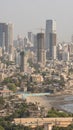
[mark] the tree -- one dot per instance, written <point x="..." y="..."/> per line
<point x="12" y="87"/>
<point x="55" y="113"/>
<point x="38" y="128"/>
<point x="8" y="80"/>
<point x="1" y="128"/>
<point x="59" y="128"/>
<point x="2" y="101"/>
<point x="70" y="127"/>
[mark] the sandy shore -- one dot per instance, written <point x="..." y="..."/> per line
<point x="50" y="101"/>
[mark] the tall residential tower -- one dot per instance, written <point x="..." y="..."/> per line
<point x="51" y="38"/>
<point x="41" y="56"/>
<point x="6" y="35"/>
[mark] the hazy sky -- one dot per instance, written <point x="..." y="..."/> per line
<point x="29" y="15"/>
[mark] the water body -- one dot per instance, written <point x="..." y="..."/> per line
<point x="24" y="95"/>
<point x="68" y="106"/>
<point x="70" y="98"/>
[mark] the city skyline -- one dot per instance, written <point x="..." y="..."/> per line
<point x="30" y="15"/>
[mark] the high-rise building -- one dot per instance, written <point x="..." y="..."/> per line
<point x="35" y="42"/>
<point x="10" y="34"/>
<point x="41" y="56"/>
<point x="51" y="38"/>
<point x="52" y="46"/>
<point x="23" y="61"/>
<point x="30" y="37"/>
<point x="17" y="58"/>
<point x="25" y="42"/>
<point x="20" y="42"/>
<point x="6" y="35"/>
<point x="9" y="46"/>
<point x="72" y="39"/>
<point x="66" y="52"/>
<point x="3" y="35"/>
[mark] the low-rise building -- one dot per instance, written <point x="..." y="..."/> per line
<point x="37" y="78"/>
<point x="5" y="93"/>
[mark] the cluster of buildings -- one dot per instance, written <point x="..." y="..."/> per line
<point x="45" y="47"/>
<point x="41" y="46"/>
<point x="34" y="48"/>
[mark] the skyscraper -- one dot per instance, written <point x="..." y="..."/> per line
<point x="10" y="34"/>
<point x="3" y="35"/>
<point x="30" y="37"/>
<point x="23" y="61"/>
<point x="6" y="35"/>
<point x="41" y="56"/>
<point x="51" y="38"/>
<point x="25" y="42"/>
<point x="72" y="39"/>
<point x="66" y="52"/>
<point x="52" y="46"/>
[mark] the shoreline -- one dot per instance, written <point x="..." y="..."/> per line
<point x="54" y="100"/>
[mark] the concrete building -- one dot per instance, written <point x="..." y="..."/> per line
<point x="30" y="37"/>
<point x="65" y="56"/>
<point x="6" y="93"/>
<point x="6" y="35"/>
<point x="25" y="42"/>
<point x="48" y="123"/>
<point x="71" y="48"/>
<point x="10" y="52"/>
<point x="51" y="38"/>
<point x="0" y="51"/>
<point x="20" y="42"/>
<point x="17" y="58"/>
<point x="72" y="39"/>
<point x="2" y="76"/>
<point x="52" y="46"/>
<point x="23" y="61"/>
<point x="59" y="51"/>
<point x="41" y="55"/>
<point x="37" y="78"/>
<point x="3" y="35"/>
<point x="10" y="35"/>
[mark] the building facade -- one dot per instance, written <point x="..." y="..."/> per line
<point x="41" y="55"/>
<point x="23" y="61"/>
<point x="6" y="35"/>
<point x="51" y="38"/>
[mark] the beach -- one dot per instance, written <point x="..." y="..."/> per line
<point x="56" y="101"/>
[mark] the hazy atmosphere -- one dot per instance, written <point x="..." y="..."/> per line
<point x="29" y="15"/>
<point x="36" y="64"/>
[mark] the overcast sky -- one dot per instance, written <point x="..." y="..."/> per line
<point x="29" y="15"/>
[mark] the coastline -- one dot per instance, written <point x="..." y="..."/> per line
<point x="54" y="100"/>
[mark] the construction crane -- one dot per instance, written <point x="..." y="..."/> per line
<point x="41" y="29"/>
